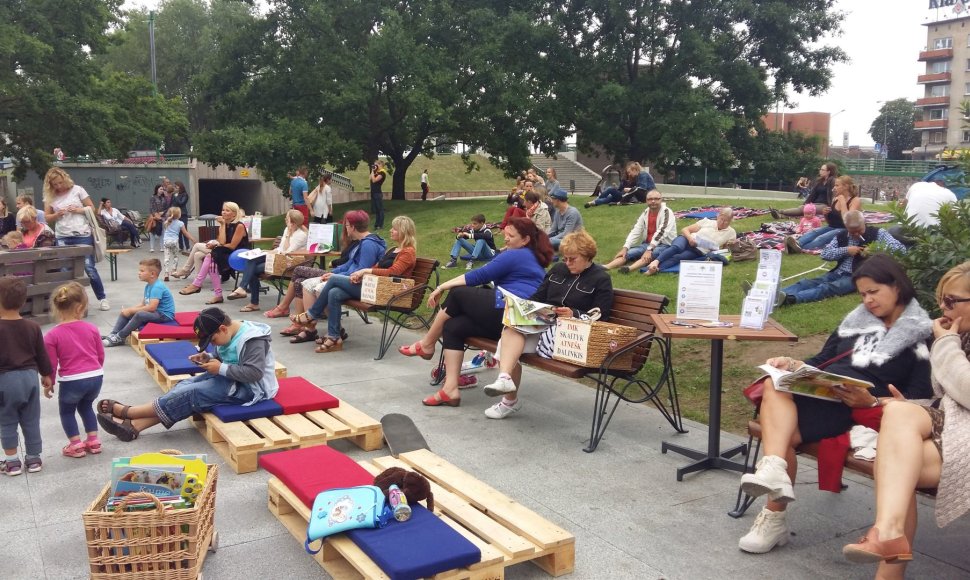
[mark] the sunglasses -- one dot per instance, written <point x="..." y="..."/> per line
<point x="950" y="302"/>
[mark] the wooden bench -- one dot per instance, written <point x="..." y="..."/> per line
<point x="111" y="254"/>
<point x="630" y="308"/>
<point x="44" y="270"/>
<point x="853" y="463"/>
<point x="398" y="317"/>
<point x="505" y="531"/>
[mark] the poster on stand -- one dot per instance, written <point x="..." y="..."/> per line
<point x="699" y="290"/>
<point x="320" y="238"/>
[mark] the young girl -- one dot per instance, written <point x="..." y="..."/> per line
<point x="77" y="356"/>
<point x="809" y="220"/>
<point x="170" y="240"/>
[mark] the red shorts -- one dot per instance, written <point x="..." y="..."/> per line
<point x="305" y="210"/>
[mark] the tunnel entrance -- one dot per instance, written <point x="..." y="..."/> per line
<point x="214" y="192"/>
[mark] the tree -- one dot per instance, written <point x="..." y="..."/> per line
<point x="893" y="127"/>
<point x="51" y="94"/>
<point x="785" y="156"/>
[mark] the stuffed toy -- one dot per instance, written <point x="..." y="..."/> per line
<point x="414" y="485"/>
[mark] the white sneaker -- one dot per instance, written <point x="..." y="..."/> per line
<point x="770" y="529"/>
<point x="112" y="340"/>
<point x="771" y="478"/>
<point x="501" y="386"/>
<point x="104" y="304"/>
<point x="469" y="265"/>
<point x="500" y="410"/>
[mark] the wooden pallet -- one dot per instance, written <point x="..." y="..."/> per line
<point x="139" y="344"/>
<point x="166" y="381"/>
<point x="241" y="442"/>
<point x="505" y="531"/>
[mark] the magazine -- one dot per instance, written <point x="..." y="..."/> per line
<point x="527" y="316"/>
<point x="809" y="381"/>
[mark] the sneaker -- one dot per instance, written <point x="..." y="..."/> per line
<point x="11" y="467"/>
<point x="34" y="464"/>
<point x="112" y="340"/>
<point x="784" y="299"/>
<point x="770" y="529"/>
<point x="104" y="304"/>
<point x="771" y="477"/>
<point x="470" y="265"/>
<point x="451" y="264"/>
<point x="501" y="410"/>
<point x="467" y="381"/>
<point x="501" y="386"/>
<point x="791" y="245"/>
<point x="624" y="269"/>
<point x="774" y="213"/>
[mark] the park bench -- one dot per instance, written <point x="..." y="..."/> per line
<point x="44" y="270"/>
<point x="630" y="308"/>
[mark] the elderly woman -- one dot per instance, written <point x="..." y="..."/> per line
<point x="883" y="341"/>
<point x="64" y="204"/>
<point x="471" y="310"/>
<point x="294" y="238"/>
<point x="911" y="452"/>
<point x="232" y="235"/>
<point x="636" y="183"/>
<point x="117" y="220"/>
<point x="36" y="234"/>
<point x="25" y="201"/>
<point x="573" y="286"/>
<point x="846" y="199"/>
<point x="696" y="240"/>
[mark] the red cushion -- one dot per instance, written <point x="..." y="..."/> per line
<point x="186" y="318"/>
<point x="161" y="331"/>
<point x="298" y="395"/>
<point x="307" y="472"/>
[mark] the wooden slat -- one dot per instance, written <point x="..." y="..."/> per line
<point x="302" y="428"/>
<point x="270" y="431"/>
<point x="331" y="424"/>
<point x="237" y="434"/>
<point x="350" y="415"/>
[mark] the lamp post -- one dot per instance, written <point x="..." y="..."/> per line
<point x="830" y="127"/>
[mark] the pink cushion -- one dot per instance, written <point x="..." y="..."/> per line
<point x="298" y="395"/>
<point x="307" y="472"/>
<point x="161" y="331"/>
<point x="186" y="318"/>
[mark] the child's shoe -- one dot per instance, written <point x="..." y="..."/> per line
<point x="34" y="464"/>
<point x="74" y="449"/>
<point x="11" y="467"/>
<point x="112" y="340"/>
<point x="93" y="445"/>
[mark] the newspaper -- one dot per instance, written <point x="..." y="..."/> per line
<point x="525" y="315"/>
<point x="809" y="381"/>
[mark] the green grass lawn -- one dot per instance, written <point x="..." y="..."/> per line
<point x="610" y="225"/>
<point x="445" y="173"/>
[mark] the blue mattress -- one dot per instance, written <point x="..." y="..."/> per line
<point x="174" y="356"/>
<point x="230" y="413"/>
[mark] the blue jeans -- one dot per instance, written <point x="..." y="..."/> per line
<point x="335" y="292"/>
<point x="479" y="250"/>
<point x="20" y="405"/>
<point x="818" y="238"/>
<point x="820" y="288"/>
<point x="198" y="395"/>
<point x="125" y="326"/>
<point x="609" y="195"/>
<point x="89" y="268"/>
<point x="78" y="396"/>
<point x="132" y="231"/>
<point x="250" y="278"/>
<point x="679" y="249"/>
<point x="637" y="252"/>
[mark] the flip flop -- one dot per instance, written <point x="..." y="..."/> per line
<point x="415" y="350"/>
<point x="249" y="308"/>
<point x="234" y="296"/>
<point x="189" y="290"/>
<point x="124" y="431"/>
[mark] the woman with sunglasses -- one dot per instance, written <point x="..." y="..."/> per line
<point x="911" y="442"/>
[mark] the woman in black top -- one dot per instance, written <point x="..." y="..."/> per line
<point x="180" y="199"/>
<point x="377" y="177"/>
<point x="820" y="193"/>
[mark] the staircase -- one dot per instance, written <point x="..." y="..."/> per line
<point x="566" y="170"/>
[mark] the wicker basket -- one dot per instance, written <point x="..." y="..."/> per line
<point x="278" y="264"/>
<point x="379" y="290"/>
<point x="151" y="545"/>
<point x="587" y="344"/>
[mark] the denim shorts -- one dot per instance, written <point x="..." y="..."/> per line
<point x="198" y="395"/>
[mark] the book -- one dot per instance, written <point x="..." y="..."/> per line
<point x="809" y="381"/>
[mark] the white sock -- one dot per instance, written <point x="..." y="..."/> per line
<point x="509" y="402"/>
<point x="505" y="376"/>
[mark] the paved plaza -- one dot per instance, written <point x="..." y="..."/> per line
<point x="630" y="516"/>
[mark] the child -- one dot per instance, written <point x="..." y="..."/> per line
<point x="77" y="356"/>
<point x="14" y="241"/>
<point x="242" y="373"/>
<point x="809" y="220"/>
<point x="158" y="304"/>
<point x="22" y="357"/>
<point x="170" y="239"/>
<point x="482" y="249"/>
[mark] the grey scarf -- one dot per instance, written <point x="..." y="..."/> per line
<point x="877" y="344"/>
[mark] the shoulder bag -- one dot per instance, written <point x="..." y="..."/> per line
<point x="341" y="509"/>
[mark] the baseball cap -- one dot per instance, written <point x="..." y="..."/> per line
<point x="207" y="324"/>
<point x="559" y="193"/>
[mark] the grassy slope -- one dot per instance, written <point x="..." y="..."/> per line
<point x="445" y="173"/>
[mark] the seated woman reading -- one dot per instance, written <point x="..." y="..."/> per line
<point x="695" y="241"/>
<point x="294" y="238"/>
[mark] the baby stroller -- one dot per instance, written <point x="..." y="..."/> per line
<point x="135" y="217"/>
<point x="609" y="177"/>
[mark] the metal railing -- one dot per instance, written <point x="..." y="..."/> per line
<point x="888" y="166"/>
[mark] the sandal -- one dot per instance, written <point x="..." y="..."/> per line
<point x="343" y="336"/>
<point x="248" y="307"/>
<point x="93" y="445"/>
<point x="276" y="312"/>
<point x="302" y="318"/>
<point x="74" y="449"/>
<point x="440" y="398"/>
<point x="124" y="430"/>
<point x="330" y="345"/>
<point x="107" y="406"/>
<point x="291" y="330"/>
<point x="216" y="300"/>
<point x="234" y="295"/>
<point x="304" y="336"/>
<point x="415" y="350"/>
<point x="190" y="289"/>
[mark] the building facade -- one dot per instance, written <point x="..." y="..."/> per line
<point x="946" y="83"/>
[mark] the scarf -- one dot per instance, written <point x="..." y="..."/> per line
<point x="877" y="344"/>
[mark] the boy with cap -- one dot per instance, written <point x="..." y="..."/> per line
<point x="565" y="218"/>
<point x="242" y="372"/>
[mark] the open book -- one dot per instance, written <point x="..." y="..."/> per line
<point x="812" y="382"/>
<point x="526" y="315"/>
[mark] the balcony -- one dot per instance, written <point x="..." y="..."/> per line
<point x="932" y="101"/>
<point x="932" y="124"/>
<point x="933" y="78"/>
<point x="938" y="54"/>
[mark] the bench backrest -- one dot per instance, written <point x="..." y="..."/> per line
<point x="425" y="272"/>
<point x="44" y="270"/>
<point x="632" y="308"/>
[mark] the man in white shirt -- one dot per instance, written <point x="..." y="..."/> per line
<point x="655" y="229"/>
<point x="923" y="201"/>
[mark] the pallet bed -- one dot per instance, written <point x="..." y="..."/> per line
<point x="166" y="381"/>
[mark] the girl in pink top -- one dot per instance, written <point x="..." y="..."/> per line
<point x="809" y="220"/>
<point x="77" y="357"/>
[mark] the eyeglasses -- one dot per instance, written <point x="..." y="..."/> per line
<point x="654" y="198"/>
<point x="571" y="259"/>
<point x="950" y="302"/>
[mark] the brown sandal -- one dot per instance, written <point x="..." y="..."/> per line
<point x="303" y="318"/>
<point x="330" y="345"/>
<point x="190" y="289"/>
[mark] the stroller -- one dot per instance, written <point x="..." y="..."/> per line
<point x="135" y="217"/>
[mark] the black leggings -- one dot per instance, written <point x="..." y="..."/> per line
<point x="473" y="313"/>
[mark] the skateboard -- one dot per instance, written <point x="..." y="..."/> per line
<point x="401" y="434"/>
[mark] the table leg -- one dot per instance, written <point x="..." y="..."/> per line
<point x="113" y="266"/>
<point x="714" y="458"/>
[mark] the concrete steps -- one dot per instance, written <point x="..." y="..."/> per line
<point x="567" y="170"/>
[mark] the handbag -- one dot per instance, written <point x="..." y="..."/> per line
<point x="100" y="240"/>
<point x="756" y="390"/>
<point x="348" y="508"/>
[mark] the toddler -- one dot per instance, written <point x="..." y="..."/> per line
<point x="809" y="220"/>
<point x="77" y="357"/>
<point x="22" y="357"/>
<point x="158" y="305"/>
<point x="170" y="240"/>
<point x="13" y="241"/>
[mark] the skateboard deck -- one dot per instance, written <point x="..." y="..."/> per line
<point x="401" y="434"/>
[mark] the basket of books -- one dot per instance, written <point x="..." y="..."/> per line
<point x="154" y="520"/>
<point x="379" y="290"/>
<point x="587" y="343"/>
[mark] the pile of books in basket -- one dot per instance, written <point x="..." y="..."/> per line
<point x="174" y="480"/>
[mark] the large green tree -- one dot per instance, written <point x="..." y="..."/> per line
<point x="52" y="95"/>
<point x="893" y="127"/>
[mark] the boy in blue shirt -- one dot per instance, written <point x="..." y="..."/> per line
<point x="158" y="305"/>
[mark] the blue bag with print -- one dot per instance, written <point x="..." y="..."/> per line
<point x="341" y="509"/>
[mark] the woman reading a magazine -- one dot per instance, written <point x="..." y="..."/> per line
<point x="911" y="451"/>
<point x="883" y="341"/>
<point x="572" y="287"/>
<point x="471" y="310"/>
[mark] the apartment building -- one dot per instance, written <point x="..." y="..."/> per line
<point x="947" y="84"/>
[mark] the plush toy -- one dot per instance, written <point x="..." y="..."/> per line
<point x="414" y="485"/>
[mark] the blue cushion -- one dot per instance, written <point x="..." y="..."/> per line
<point x="230" y="413"/>
<point x="174" y="356"/>
<point x="676" y="267"/>
<point x="699" y="215"/>
<point x="418" y="548"/>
